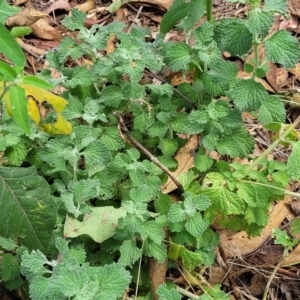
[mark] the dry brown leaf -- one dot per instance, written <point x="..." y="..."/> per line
<point x="293" y="258"/>
<point x="86" y="6"/>
<point x="19" y="2"/>
<point x="294" y="7"/>
<point x="31" y="48"/>
<point x="25" y="17"/>
<point x="296" y="71"/>
<point x="58" y="4"/>
<point x="281" y="76"/>
<point x="43" y="30"/>
<point x="272" y="76"/>
<point x="110" y="45"/>
<point x="185" y="161"/>
<point x="240" y="244"/>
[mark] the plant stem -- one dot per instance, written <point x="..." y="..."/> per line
<point x="127" y="137"/>
<point x="271" y="278"/>
<point x="186" y="293"/>
<point x="273" y="146"/>
<point x="286" y="192"/>
<point x="209" y="8"/>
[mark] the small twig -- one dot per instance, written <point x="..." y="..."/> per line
<point x="174" y="89"/>
<point x="137" y="16"/>
<point x="131" y="140"/>
<point x="271" y="278"/>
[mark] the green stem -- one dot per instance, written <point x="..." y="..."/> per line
<point x="5" y="90"/>
<point x="286" y="192"/>
<point x="209" y="8"/>
<point x="272" y="146"/>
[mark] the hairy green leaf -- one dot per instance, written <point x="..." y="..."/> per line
<point x="186" y="12"/>
<point x="275" y="6"/>
<point x="232" y="35"/>
<point x="248" y="95"/>
<point x="260" y="22"/>
<point x="196" y="225"/>
<point x="178" y="57"/>
<point x="283" y="48"/>
<point x="130" y="253"/>
<point x="223" y="200"/>
<point x="167" y="294"/>
<point x="75" y="21"/>
<point x="271" y="110"/>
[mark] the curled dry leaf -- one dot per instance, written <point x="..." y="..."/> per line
<point x="43" y="30"/>
<point x="25" y="17"/>
<point x="31" y="48"/>
<point x="185" y="161"/>
<point x="59" y="4"/>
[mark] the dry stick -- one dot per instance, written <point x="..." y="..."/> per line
<point x="271" y="278"/>
<point x="137" y="16"/>
<point x="141" y="148"/>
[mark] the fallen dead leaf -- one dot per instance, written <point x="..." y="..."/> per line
<point x="281" y="76"/>
<point x="31" y="48"/>
<point x="19" y="2"/>
<point x="240" y="244"/>
<point x="185" y="161"/>
<point x="272" y="76"/>
<point x="86" y="6"/>
<point x="296" y="71"/>
<point x="45" y="31"/>
<point x="110" y="45"/>
<point x="293" y="258"/>
<point x="25" y="17"/>
<point x="58" y="4"/>
<point x="294" y="8"/>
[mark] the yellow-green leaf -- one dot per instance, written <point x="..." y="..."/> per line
<point x="33" y="111"/>
<point x="41" y="95"/>
<point x="18" y="104"/>
<point x="61" y="126"/>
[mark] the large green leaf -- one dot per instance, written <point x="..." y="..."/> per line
<point x="10" y="48"/>
<point x="18" y="104"/>
<point x="7" y="10"/>
<point x="27" y="210"/>
<point x="187" y="12"/>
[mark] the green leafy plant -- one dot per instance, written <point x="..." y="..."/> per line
<point x="90" y="199"/>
